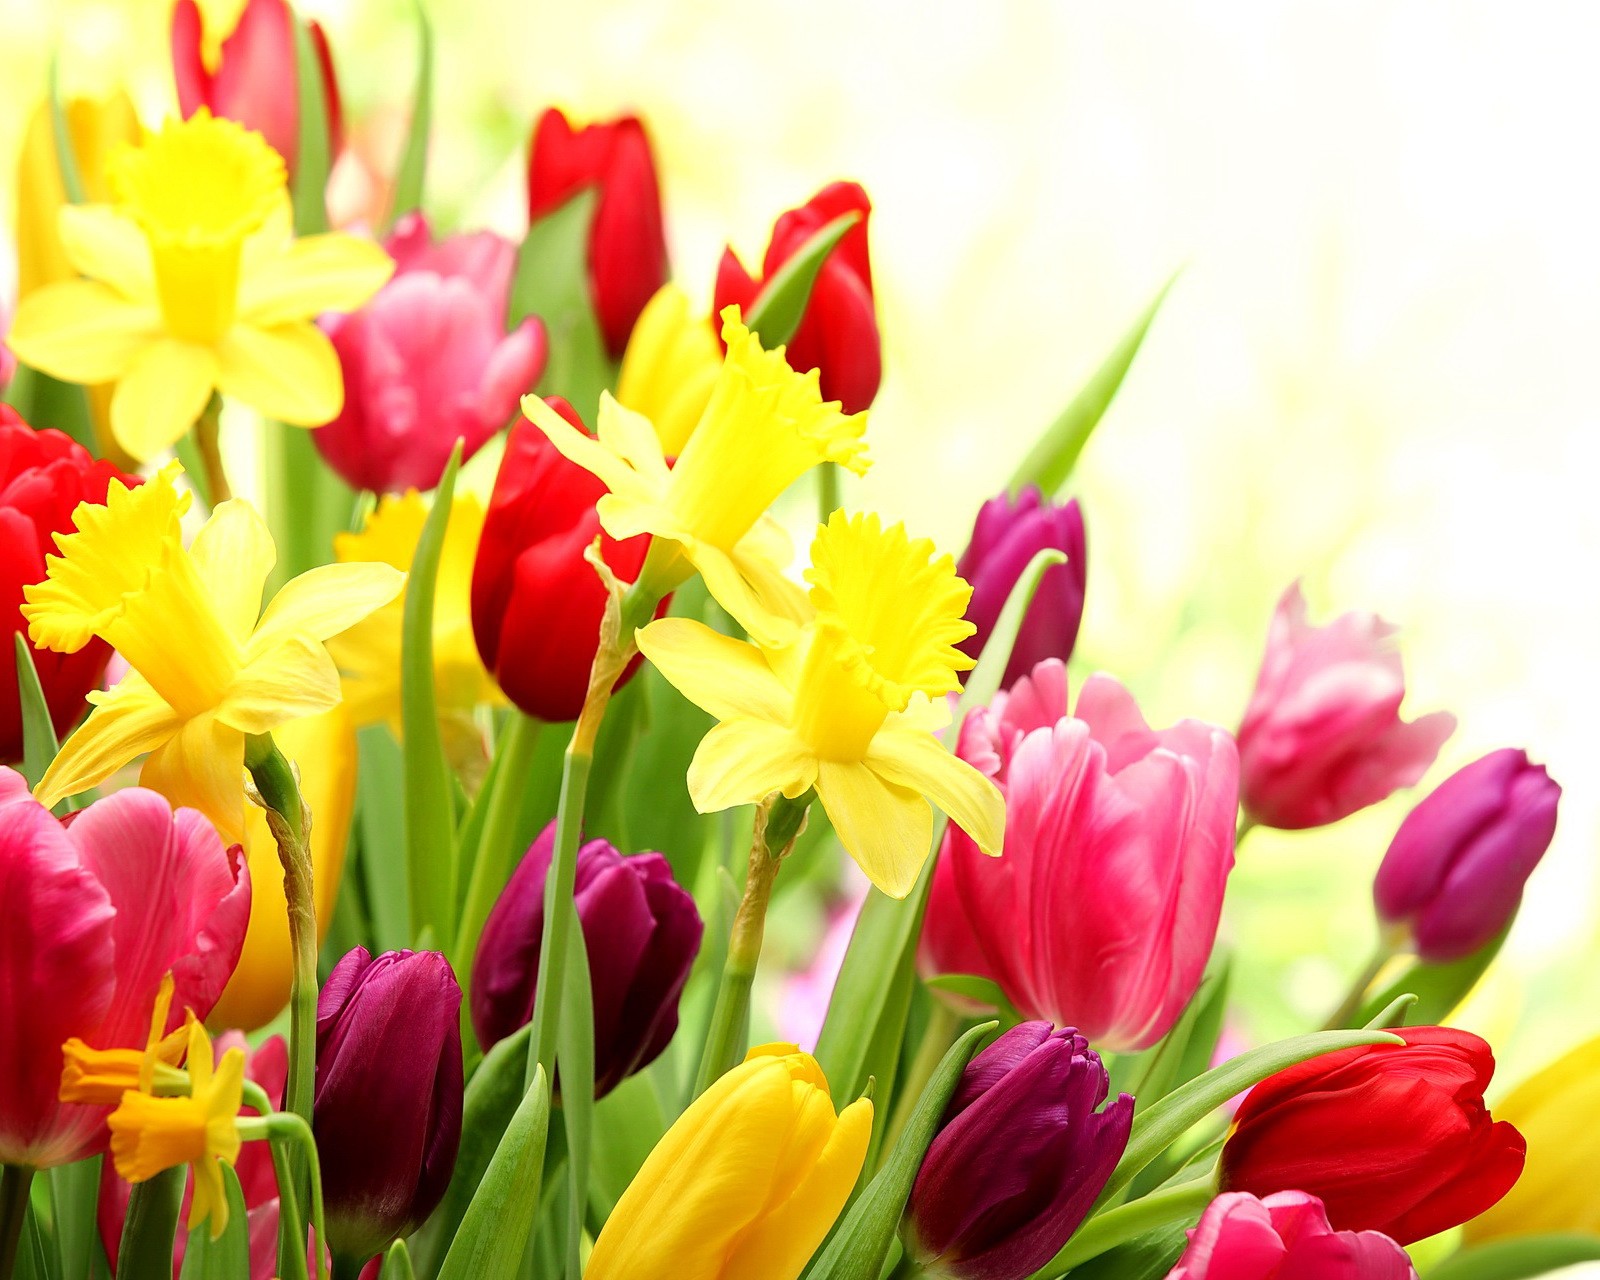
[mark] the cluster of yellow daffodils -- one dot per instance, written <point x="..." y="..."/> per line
<point x="195" y="284"/>
<point x="209" y="667"/>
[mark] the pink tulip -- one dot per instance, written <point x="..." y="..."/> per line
<point x="1284" y="1237"/>
<point x="1322" y="736"/>
<point x="1102" y="909"/>
<point x="428" y="361"/>
<point x="93" y="911"/>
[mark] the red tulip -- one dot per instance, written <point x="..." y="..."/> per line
<point x="1391" y="1138"/>
<point x="536" y="602"/>
<point x="838" y="333"/>
<point x="44" y="475"/>
<point x="627" y="241"/>
<point x="253" y="79"/>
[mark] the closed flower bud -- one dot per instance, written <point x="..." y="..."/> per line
<point x="627" y="239"/>
<point x="838" y="334"/>
<point x="1454" y="872"/>
<point x="1391" y="1138"/>
<point x="536" y="602"/>
<point x="1008" y="533"/>
<point x="388" y="1095"/>
<point x="1023" y="1153"/>
<point x="1322" y="736"/>
<point x="745" y="1184"/>
<point x="1284" y="1236"/>
<point x="641" y="932"/>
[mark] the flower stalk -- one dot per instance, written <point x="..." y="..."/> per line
<point x="15" y="1179"/>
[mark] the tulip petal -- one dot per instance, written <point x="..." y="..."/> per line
<point x="917" y="760"/>
<point x="81" y="331"/>
<point x="126" y="722"/>
<point x="292" y="679"/>
<point x="333" y="272"/>
<point x="234" y="553"/>
<point x="324" y="601"/>
<point x="161" y="395"/>
<point x="289" y="372"/>
<point x="743" y="761"/>
<point x="885" y="827"/>
<point x="724" y="676"/>
<point x="109" y="247"/>
<point x="202" y="766"/>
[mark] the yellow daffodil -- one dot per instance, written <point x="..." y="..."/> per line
<point x="369" y="653"/>
<point x="845" y="705"/>
<point x="196" y="285"/>
<point x="669" y="367"/>
<point x="745" y="1184"/>
<point x="150" y="1134"/>
<point x="323" y="748"/>
<point x="101" y="1076"/>
<point x="764" y="427"/>
<point x="208" y="666"/>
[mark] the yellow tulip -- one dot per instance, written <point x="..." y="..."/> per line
<point x="845" y="705"/>
<point x="670" y="367"/>
<point x="196" y="285"/>
<point x="745" y="1184"/>
<point x="323" y="748"/>
<point x="1558" y="1112"/>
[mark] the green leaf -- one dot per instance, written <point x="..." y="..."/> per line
<point x="1518" y="1257"/>
<point x="984" y="682"/>
<point x="1211" y="1006"/>
<point x="429" y="785"/>
<point x="33" y="1259"/>
<point x="397" y="1263"/>
<point x="75" y="1195"/>
<point x="1050" y="462"/>
<point x="1149" y="1257"/>
<point x="1392" y="1014"/>
<point x="1439" y="988"/>
<point x="1158" y="1127"/>
<point x="39" y="745"/>
<point x="500" y="1218"/>
<point x="228" y="1256"/>
<point x="575" y="1053"/>
<point x="779" y="307"/>
<point x="148" y="1232"/>
<point x="969" y="986"/>
<point x="1173" y="1207"/>
<point x="380" y="824"/>
<point x="627" y="1125"/>
<point x="408" y="181"/>
<point x="862" y="1243"/>
<point x="312" y="161"/>
<point x="1151" y="1075"/>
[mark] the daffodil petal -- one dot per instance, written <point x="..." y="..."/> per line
<point x="324" y="601"/>
<point x="210" y="1200"/>
<point x="726" y="677"/>
<point x="626" y="484"/>
<point x="126" y="722"/>
<point x="106" y="246"/>
<point x="293" y="679"/>
<point x="158" y="399"/>
<point x="633" y="438"/>
<point x="234" y="553"/>
<point x="885" y="827"/>
<point x="744" y="761"/>
<point x="202" y="766"/>
<point x="289" y="372"/>
<point x="314" y="274"/>
<point x="917" y="760"/>
<point x="81" y="331"/>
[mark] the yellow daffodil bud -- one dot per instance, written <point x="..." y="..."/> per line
<point x="746" y="1184"/>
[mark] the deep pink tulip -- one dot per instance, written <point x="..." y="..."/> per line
<point x="1102" y="909"/>
<point x="93" y="911"/>
<point x="428" y="361"/>
<point x="1322" y="736"/>
<point x="1286" y="1236"/>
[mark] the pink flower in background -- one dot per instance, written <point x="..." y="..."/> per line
<point x="93" y="912"/>
<point x="1285" y="1236"/>
<point x="1102" y="909"/>
<point x="1322" y="736"/>
<point x="803" y="999"/>
<point x="428" y="361"/>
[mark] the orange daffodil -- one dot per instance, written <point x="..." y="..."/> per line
<point x="844" y="702"/>
<point x="209" y="667"/>
<point x="195" y="284"/>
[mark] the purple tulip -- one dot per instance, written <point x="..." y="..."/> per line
<point x="641" y="932"/>
<point x="1455" y="868"/>
<point x="1023" y="1154"/>
<point x="388" y="1095"/>
<point x="1007" y="534"/>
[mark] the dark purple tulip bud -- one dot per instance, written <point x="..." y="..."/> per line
<point x="1022" y="1156"/>
<point x="641" y="932"/>
<point x="388" y="1096"/>
<point x="1454" y="872"/>
<point x="1008" y="533"/>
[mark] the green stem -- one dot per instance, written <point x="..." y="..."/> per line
<point x="1117" y="1226"/>
<point x="291" y="1261"/>
<point x="827" y="490"/>
<point x="207" y="439"/>
<point x="944" y="1023"/>
<point x="1354" y="998"/>
<point x="347" y="1269"/>
<point x="289" y="1132"/>
<point x="15" y="1179"/>
<point x="148" y="1232"/>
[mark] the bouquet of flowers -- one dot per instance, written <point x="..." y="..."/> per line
<point x="333" y="934"/>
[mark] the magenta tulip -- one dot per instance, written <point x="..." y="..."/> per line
<point x="1285" y="1236"/>
<point x="93" y="912"/>
<point x="1322" y="736"/>
<point x="1102" y="909"/>
<point x="428" y="361"/>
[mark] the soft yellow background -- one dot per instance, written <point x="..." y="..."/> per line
<point x="1377" y="370"/>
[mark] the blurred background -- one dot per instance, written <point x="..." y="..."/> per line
<point x="1376" y="371"/>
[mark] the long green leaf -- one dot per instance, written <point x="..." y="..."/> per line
<point x="148" y="1232"/>
<point x="312" y="161"/>
<point x="627" y="1125"/>
<point x="1439" y="988"/>
<point x="39" y="745"/>
<point x="1050" y="462"/>
<point x="1150" y="1257"/>
<point x="862" y="1243"/>
<point x="408" y="181"/>
<point x="228" y="1256"/>
<point x="500" y="1218"/>
<point x="33" y="1258"/>
<point x="430" y="792"/>
<point x="1517" y="1258"/>
<point x="781" y="305"/>
<point x="397" y="1263"/>
<point x="380" y="820"/>
<point x="984" y="682"/>
<point x="74" y="1196"/>
<point x="575" y="1053"/>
